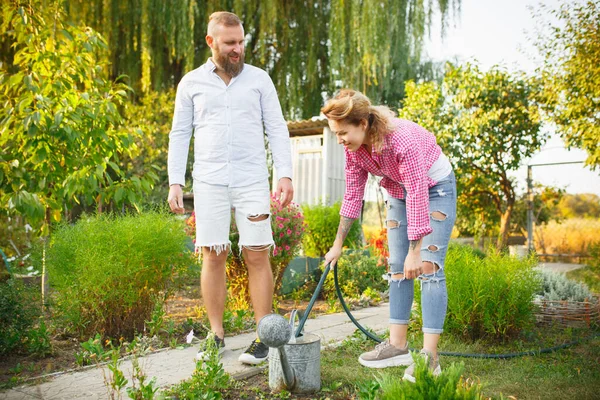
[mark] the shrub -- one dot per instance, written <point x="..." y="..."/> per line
<point x="19" y="309"/>
<point x="109" y="272"/>
<point x="62" y="140"/>
<point x="447" y="386"/>
<point x="556" y="286"/>
<point x="489" y="296"/>
<point x="357" y="272"/>
<point x="321" y="227"/>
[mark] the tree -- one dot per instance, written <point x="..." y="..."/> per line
<point x="584" y="205"/>
<point x="546" y="200"/>
<point x="487" y="122"/>
<point x="571" y="50"/>
<point x="309" y="47"/>
<point x="61" y="134"/>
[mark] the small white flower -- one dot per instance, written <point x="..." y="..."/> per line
<point x="26" y="257"/>
<point x="30" y="268"/>
<point x="11" y="259"/>
<point x="28" y="228"/>
<point x="189" y="337"/>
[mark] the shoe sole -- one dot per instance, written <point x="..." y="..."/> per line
<point x="250" y="360"/>
<point x="404" y="359"/>
<point x="203" y="358"/>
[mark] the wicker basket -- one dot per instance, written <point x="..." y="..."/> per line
<point x="568" y="313"/>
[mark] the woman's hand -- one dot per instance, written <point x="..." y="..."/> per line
<point x="413" y="265"/>
<point x="333" y="255"/>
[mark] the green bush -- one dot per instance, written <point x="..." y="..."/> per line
<point x="63" y="139"/>
<point x="447" y="386"/>
<point x="108" y="273"/>
<point x="489" y="296"/>
<point x="19" y="309"/>
<point x="321" y="227"/>
<point x="556" y="286"/>
<point x="357" y="272"/>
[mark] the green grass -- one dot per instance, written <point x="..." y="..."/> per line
<point x="588" y="275"/>
<point x="571" y="373"/>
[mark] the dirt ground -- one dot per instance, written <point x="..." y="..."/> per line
<point x="257" y="387"/>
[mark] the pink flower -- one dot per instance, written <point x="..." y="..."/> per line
<point x="289" y="232"/>
<point x="280" y="226"/>
<point x="275" y="252"/>
<point x="278" y="218"/>
<point x="281" y="235"/>
<point x="287" y="248"/>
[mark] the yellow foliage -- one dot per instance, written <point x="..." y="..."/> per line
<point x="571" y="236"/>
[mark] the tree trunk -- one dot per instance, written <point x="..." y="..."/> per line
<point x="504" y="226"/>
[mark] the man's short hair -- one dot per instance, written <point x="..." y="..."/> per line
<point x="222" y="18"/>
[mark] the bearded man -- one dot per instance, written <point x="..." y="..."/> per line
<point x="228" y="106"/>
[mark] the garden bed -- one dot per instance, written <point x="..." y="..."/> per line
<point x="185" y="304"/>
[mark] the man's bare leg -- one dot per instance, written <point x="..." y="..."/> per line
<point x="260" y="279"/>
<point x="214" y="290"/>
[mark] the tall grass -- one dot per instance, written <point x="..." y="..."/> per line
<point x="109" y="273"/>
<point x="488" y="296"/>
<point x="571" y="236"/>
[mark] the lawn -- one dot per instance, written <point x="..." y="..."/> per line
<point x="570" y="373"/>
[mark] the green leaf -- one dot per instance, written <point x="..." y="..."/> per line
<point x="67" y="34"/>
<point x="119" y="194"/>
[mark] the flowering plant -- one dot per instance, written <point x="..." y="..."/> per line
<point x="377" y="241"/>
<point x="288" y="227"/>
<point x="190" y="226"/>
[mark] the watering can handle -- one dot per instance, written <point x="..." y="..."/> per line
<point x="293" y="321"/>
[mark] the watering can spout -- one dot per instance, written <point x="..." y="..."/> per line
<point x="289" y="377"/>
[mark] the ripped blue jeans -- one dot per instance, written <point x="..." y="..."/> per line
<point x="434" y="297"/>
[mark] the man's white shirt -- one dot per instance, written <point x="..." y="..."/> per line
<point x="227" y="122"/>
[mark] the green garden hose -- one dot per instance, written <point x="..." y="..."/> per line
<point x="444" y="353"/>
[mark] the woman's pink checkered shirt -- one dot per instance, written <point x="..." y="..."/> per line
<point x="408" y="154"/>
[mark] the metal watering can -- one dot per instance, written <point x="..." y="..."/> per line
<point x="294" y="362"/>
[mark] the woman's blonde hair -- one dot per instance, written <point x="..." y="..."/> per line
<point x="352" y="107"/>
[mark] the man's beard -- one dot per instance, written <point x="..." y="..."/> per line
<point x="231" y="69"/>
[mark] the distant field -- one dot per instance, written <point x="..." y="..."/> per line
<point x="571" y="236"/>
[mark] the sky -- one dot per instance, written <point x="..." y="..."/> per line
<point x="495" y="32"/>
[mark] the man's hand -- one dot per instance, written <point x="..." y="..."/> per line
<point x="176" y="199"/>
<point x="285" y="191"/>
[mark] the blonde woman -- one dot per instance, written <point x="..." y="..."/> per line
<point x="421" y="210"/>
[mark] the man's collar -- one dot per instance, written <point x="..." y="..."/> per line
<point x="211" y="65"/>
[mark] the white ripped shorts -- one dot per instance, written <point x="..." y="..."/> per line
<point x="213" y="205"/>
